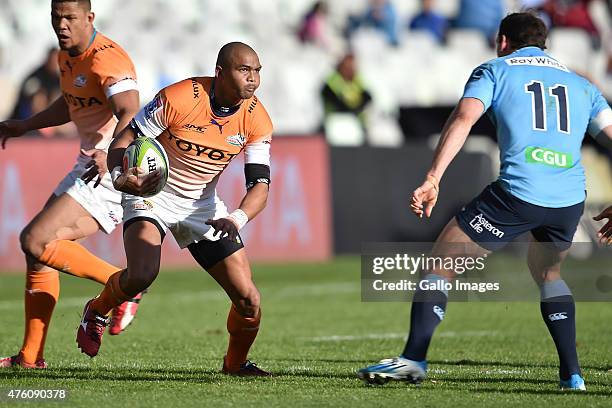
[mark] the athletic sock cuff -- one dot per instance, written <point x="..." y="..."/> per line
<point x="552" y="289"/>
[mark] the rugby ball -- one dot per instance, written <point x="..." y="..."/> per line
<point x="150" y="156"/>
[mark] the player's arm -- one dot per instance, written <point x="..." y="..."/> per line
<point x="56" y="114"/>
<point x="257" y="174"/>
<point x="121" y="141"/>
<point x="454" y="134"/>
<point x="604" y="136"/>
<point x="150" y="121"/>
<point x="124" y="106"/>
<point x="605" y="233"/>
<point x="600" y="121"/>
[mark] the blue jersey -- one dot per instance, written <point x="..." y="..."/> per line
<point x="541" y="111"/>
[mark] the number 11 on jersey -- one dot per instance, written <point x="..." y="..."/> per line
<point x="538" y="107"/>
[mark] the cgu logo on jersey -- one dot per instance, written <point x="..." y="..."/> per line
<point x="479" y="223"/>
<point x="80" y="81"/>
<point x="540" y="155"/>
<point x="236" y="140"/>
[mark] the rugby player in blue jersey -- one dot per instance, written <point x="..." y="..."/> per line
<point x="541" y="111"/>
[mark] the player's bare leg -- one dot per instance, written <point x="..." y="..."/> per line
<point x="142" y="242"/>
<point x="41" y="293"/>
<point x="49" y="240"/>
<point x="234" y="275"/>
<point x="58" y="217"/>
<point x="558" y="309"/>
<point x="428" y="308"/>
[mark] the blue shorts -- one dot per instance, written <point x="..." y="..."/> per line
<point x="496" y="217"/>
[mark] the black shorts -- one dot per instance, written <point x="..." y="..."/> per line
<point x="206" y="253"/>
<point x="209" y="253"/>
<point x="496" y="217"/>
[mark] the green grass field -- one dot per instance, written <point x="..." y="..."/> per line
<point x="315" y="334"/>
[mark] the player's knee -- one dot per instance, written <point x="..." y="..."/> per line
<point x="546" y="275"/>
<point x="248" y="305"/>
<point x="31" y="244"/>
<point x="139" y="279"/>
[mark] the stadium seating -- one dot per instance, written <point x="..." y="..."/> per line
<point x="172" y="40"/>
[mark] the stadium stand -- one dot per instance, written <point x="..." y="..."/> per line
<point x="172" y="40"/>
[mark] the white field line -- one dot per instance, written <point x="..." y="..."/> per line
<point x="383" y="336"/>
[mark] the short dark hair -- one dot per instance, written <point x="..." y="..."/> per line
<point x="84" y="3"/>
<point x="523" y="30"/>
<point x="223" y="58"/>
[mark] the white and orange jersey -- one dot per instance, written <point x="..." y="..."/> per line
<point x="88" y="81"/>
<point x="200" y="144"/>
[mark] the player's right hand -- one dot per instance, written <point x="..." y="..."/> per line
<point x="424" y="199"/>
<point x="133" y="181"/>
<point x="605" y="233"/>
<point x="11" y="128"/>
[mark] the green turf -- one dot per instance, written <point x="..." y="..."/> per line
<point x="484" y="354"/>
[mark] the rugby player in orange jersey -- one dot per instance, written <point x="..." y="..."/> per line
<point x="202" y="123"/>
<point x="100" y="96"/>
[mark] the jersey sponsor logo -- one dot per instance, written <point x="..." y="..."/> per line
<point x="439" y="312"/>
<point x="540" y="155"/>
<point x="143" y="205"/>
<point x="253" y="104"/>
<point x="196" y="89"/>
<point x="80" y="81"/>
<point x="537" y="62"/>
<point x="479" y="223"/>
<point x="194" y="128"/>
<point x="557" y="316"/>
<point x="212" y="153"/>
<point x="102" y="48"/>
<point x="81" y="102"/>
<point x="152" y="107"/>
<point x="219" y="125"/>
<point x="236" y="140"/>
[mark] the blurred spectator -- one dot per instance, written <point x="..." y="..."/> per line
<point x="573" y="14"/>
<point x="536" y="7"/>
<point x="344" y="91"/>
<point x="381" y="15"/>
<point x="314" y="26"/>
<point x="39" y="89"/>
<point x="481" y="15"/>
<point x="609" y="70"/>
<point x="428" y="20"/>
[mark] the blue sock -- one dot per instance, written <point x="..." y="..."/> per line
<point x="559" y="314"/>
<point x="428" y="308"/>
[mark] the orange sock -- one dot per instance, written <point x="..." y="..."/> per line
<point x="71" y="257"/>
<point x="243" y="331"/>
<point x="111" y="295"/>
<point x="42" y="291"/>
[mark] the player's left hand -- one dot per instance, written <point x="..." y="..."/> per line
<point x="224" y="226"/>
<point x="424" y="198"/>
<point x="605" y="233"/>
<point x="95" y="167"/>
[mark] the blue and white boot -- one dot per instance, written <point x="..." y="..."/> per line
<point x="575" y="383"/>
<point x="398" y="368"/>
